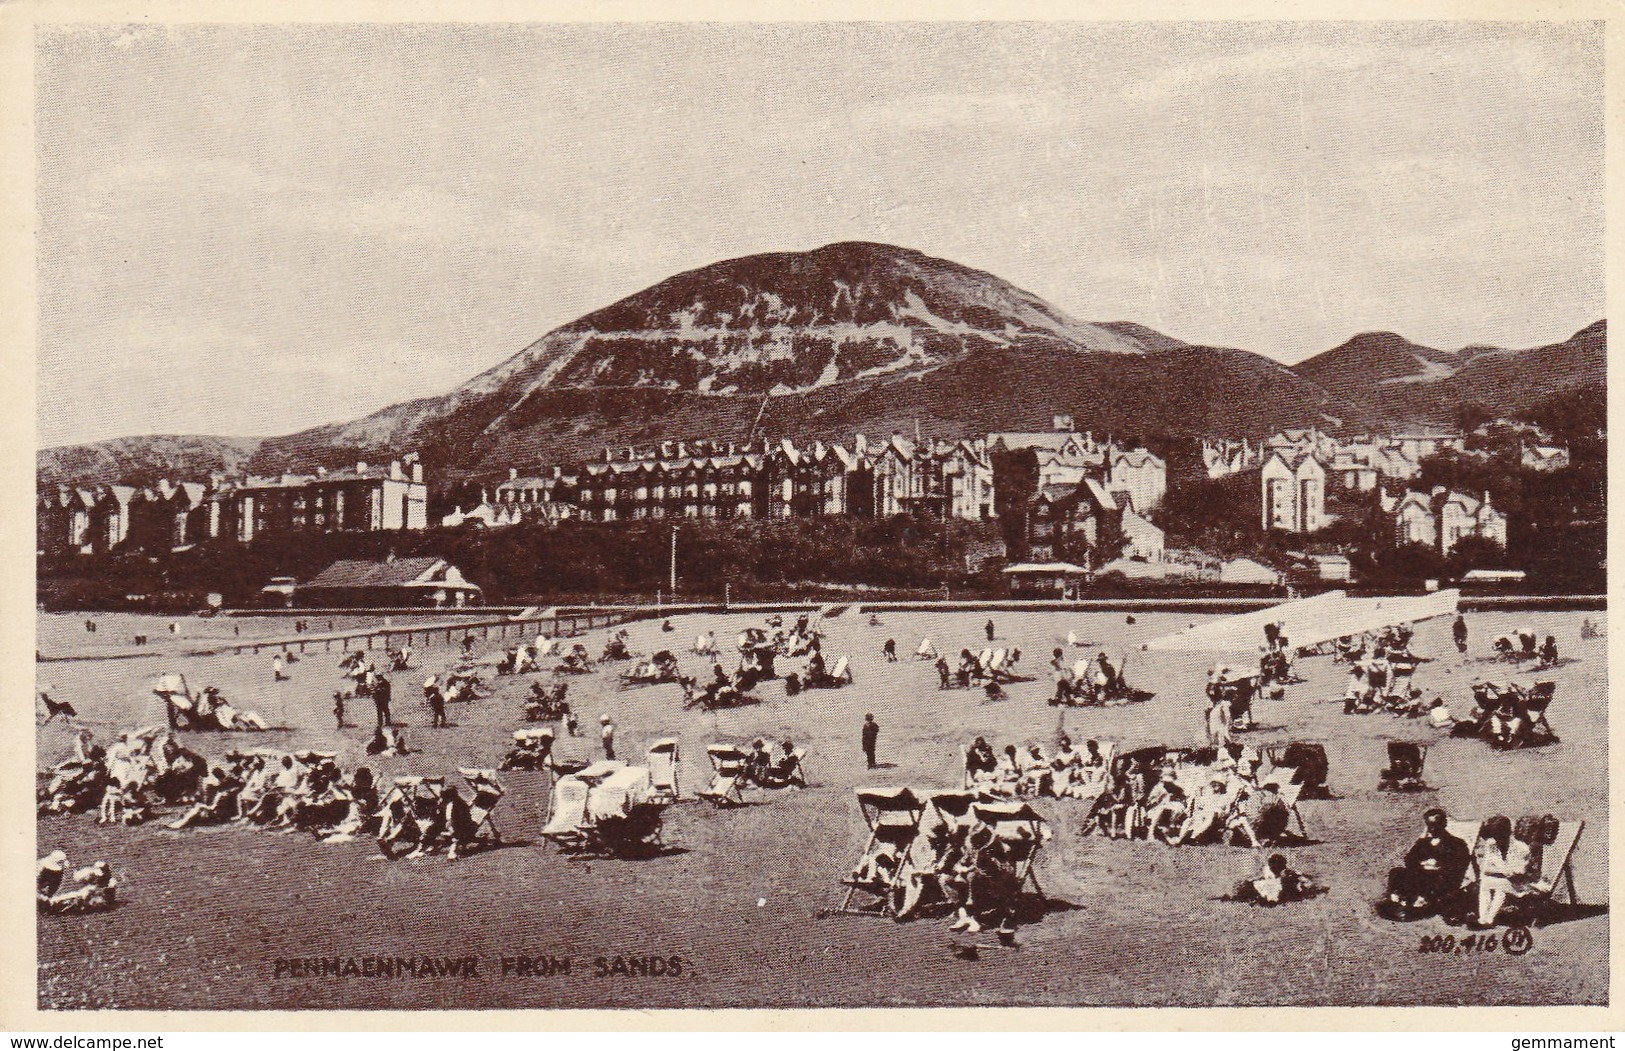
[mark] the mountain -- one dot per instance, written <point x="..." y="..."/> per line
<point x="1403" y="382"/>
<point x="860" y="337"/>
<point x="143" y="460"/>
<point x="851" y="337"/>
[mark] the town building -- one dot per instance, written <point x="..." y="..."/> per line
<point x="394" y="582"/>
<point x="1136" y="478"/>
<point x="1223" y="457"/>
<point x="1058" y="580"/>
<point x="361" y="499"/>
<point x="1294" y="492"/>
<point x="172" y="516"/>
<point x="1142" y="538"/>
<point x="62" y="517"/>
<point x="1076" y="523"/>
<point x="1441" y="519"/>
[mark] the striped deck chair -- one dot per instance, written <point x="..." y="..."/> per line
<point x="893" y="816"/>
<point x="1556" y="868"/>
<point x="728" y="781"/>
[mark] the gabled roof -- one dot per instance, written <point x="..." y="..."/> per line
<point x="1102" y="497"/>
<point x="1138" y="458"/>
<point x="358" y="573"/>
<point x="1135" y="524"/>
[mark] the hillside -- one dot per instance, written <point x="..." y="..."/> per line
<point x="860" y="337"/>
<point x="852" y="337"/>
<point x="1402" y="381"/>
<point x="142" y="460"/>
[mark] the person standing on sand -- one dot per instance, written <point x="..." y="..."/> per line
<point x="989" y="630"/>
<point x="871" y="737"/>
<point x="338" y="708"/>
<point x="380" y="700"/>
<point x="1458" y="631"/>
<point x="607" y="732"/>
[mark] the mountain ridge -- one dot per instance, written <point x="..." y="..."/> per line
<point x="865" y="337"/>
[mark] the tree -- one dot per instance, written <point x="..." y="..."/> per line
<point x="1015" y="486"/>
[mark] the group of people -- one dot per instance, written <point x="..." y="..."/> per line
<point x="962" y="868"/>
<point x="93" y="888"/>
<point x="765" y="770"/>
<point x="1442" y="875"/>
<point x="123" y="781"/>
<point x="1069" y="773"/>
<point x="1508" y="715"/>
<point x="1093" y="681"/>
<point x="1229" y="705"/>
<point x="1232" y="800"/>
<point x="210" y="711"/>
<point x="303" y="791"/>
<point x="1523" y="645"/>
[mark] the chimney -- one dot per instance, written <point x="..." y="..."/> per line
<point x="609" y="455"/>
<point x="558" y="472"/>
<point x="860" y="444"/>
<point x="1062" y="421"/>
<point x="361" y="467"/>
<point x="417" y="471"/>
<point x="666" y="449"/>
<point x="513" y="472"/>
<point x="733" y="448"/>
<point x="682" y="450"/>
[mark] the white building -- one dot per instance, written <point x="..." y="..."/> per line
<point x="1294" y="493"/>
<point x="1442" y="519"/>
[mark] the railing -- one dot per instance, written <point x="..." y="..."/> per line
<point x="555" y="623"/>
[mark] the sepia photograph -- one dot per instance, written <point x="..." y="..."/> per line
<point x="902" y="514"/>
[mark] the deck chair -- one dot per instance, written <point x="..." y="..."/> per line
<point x="1404" y="770"/>
<point x="620" y="815"/>
<point x="488" y="792"/>
<point x="1022" y="828"/>
<point x="842" y="671"/>
<point x="893" y="816"/>
<point x="728" y="764"/>
<point x="1308" y="761"/>
<point x="568" y="808"/>
<point x="1290" y="794"/>
<point x="662" y="759"/>
<point x="952" y="808"/>
<point x="788" y="772"/>
<point x="1556" y="868"/>
<point x="1536" y="701"/>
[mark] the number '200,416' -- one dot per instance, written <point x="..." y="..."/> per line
<point x="1449" y="943"/>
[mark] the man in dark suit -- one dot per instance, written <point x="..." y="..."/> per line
<point x="380" y="700"/>
<point x="871" y="737"/>
<point x="1433" y="869"/>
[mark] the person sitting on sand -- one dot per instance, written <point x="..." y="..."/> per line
<point x="1164" y="808"/>
<point x="1208" y="815"/>
<point x="1277" y="884"/>
<point x="980" y="762"/>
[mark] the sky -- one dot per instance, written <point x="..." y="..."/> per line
<point x="249" y="230"/>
